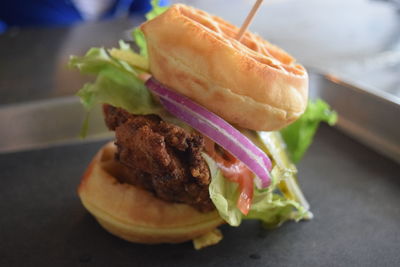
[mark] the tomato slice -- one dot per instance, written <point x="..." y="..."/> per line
<point x="246" y="185"/>
<point x="237" y="172"/>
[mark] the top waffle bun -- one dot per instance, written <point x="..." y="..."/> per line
<point x="252" y="83"/>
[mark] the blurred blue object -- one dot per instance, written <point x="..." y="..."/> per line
<point x="24" y="13"/>
<point x="2" y="27"/>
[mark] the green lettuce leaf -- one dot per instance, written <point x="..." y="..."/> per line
<point x="224" y="194"/>
<point x="298" y="136"/>
<point x="284" y="170"/>
<point x="208" y="239"/>
<point x="138" y="35"/>
<point x="126" y="54"/>
<point x="156" y="10"/>
<point x="140" y="41"/>
<point x="281" y="201"/>
<point x="117" y="83"/>
<point x="273" y="209"/>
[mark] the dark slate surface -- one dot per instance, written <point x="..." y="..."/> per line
<point x="354" y="193"/>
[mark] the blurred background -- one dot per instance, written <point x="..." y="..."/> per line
<point x="356" y="41"/>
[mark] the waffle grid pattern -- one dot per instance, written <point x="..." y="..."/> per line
<point x="251" y="44"/>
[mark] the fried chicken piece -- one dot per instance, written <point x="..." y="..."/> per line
<point x="164" y="158"/>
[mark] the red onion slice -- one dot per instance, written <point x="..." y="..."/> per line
<point x="217" y="129"/>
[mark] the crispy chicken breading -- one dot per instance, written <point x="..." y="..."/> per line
<point x="164" y="158"/>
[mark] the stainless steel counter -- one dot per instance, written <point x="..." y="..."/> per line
<point x="33" y="62"/>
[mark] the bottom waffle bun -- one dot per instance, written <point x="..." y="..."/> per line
<point x="135" y="214"/>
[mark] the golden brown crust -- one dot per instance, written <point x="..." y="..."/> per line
<point x="251" y="83"/>
<point x="135" y="214"/>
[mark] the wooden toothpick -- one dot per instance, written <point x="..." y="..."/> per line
<point x="248" y="20"/>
